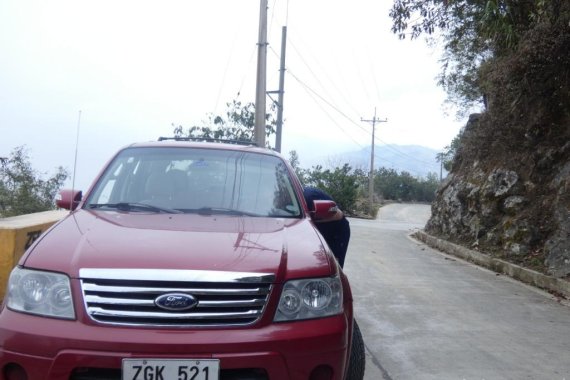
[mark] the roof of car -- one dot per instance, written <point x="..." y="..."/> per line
<point x="213" y="144"/>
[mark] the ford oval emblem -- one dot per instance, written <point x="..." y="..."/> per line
<point x="176" y="301"/>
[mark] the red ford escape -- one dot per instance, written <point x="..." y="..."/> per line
<point x="184" y="261"/>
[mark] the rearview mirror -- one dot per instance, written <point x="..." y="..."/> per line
<point x="68" y="199"/>
<point x="324" y="209"/>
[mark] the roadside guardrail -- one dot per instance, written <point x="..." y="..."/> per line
<point x="17" y="234"/>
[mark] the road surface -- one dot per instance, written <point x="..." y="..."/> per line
<point x="426" y="315"/>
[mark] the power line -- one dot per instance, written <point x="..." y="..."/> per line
<point x="253" y="50"/>
<point x="312" y="93"/>
<point x="333" y="83"/>
<point x="315" y="96"/>
<point x="388" y="146"/>
<point x="222" y="85"/>
<point x="395" y="165"/>
<point x="339" y="111"/>
<point x="326" y="101"/>
<point x="402" y="154"/>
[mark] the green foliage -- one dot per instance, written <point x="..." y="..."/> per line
<point x="473" y="32"/>
<point x="22" y="190"/>
<point x="349" y="187"/>
<point x="340" y="183"/>
<point x="528" y="103"/>
<point x="402" y="186"/>
<point x="362" y="182"/>
<point x="238" y="123"/>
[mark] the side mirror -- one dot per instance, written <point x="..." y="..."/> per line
<point x="68" y="199"/>
<point x="324" y="209"/>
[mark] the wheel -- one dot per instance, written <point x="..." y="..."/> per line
<point x="357" y="355"/>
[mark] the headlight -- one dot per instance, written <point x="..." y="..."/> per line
<point x="308" y="299"/>
<point x="42" y="293"/>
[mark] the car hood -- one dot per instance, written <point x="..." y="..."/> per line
<point x="288" y="248"/>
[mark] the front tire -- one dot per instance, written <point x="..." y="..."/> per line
<point x="357" y="355"/>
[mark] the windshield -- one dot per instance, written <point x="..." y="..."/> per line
<point x="193" y="180"/>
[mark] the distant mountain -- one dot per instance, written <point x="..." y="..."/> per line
<point x="415" y="159"/>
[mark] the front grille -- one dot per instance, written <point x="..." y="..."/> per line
<point x="127" y="296"/>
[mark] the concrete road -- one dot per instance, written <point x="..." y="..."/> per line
<point x="426" y="315"/>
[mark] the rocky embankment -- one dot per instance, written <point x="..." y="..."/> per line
<point x="516" y="209"/>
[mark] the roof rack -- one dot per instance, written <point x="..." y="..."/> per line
<point x="208" y="139"/>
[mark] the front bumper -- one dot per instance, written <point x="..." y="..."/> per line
<point x="54" y="349"/>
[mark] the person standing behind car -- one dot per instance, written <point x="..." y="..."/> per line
<point x="335" y="230"/>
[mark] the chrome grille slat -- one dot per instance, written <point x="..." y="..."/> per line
<point x="133" y="302"/>
<point x="197" y="291"/>
<point x="135" y="314"/>
<point x="231" y="299"/>
<point x="117" y="301"/>
<point x="244" y="303"/>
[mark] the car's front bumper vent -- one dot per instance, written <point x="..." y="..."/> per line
<point x="129" y="296"/>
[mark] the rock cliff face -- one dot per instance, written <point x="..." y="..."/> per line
<point x="513" y="203"/>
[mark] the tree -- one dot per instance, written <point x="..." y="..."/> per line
<point x="295" y="164"/>
<point x="340" y="183"/>
<point x="238" y="123"/>
<point x="402" y="186"/>
<point x="446" y="157"/>
<point x="474" y="32"/>
<point x="425" y="191"/>
<point x="362" y="178"/>
<point x="387" y="183"/>
<point x="22" y="190"/>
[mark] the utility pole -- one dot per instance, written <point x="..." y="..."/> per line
<point x="259" y="131"/>
<point x="280" y="92"/>
<point x="374" y="120"/>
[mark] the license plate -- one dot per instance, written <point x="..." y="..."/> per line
<point x="171" y="369"/>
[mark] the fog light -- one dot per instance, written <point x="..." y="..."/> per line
<point x="14" y="372"/>
<point x="322" y="372"/>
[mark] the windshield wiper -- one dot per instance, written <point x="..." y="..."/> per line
<point x="221" y="210"/>
<point x="134" y="206"/>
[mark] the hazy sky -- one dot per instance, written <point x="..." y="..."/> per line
<point x="134" y="67"/>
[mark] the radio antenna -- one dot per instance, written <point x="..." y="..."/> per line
<point x="76" y="149"/>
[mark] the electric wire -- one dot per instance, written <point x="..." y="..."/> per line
<point x="313" y="94"/>
<point x="341" y="93"/>
<point x="386" y="145"/>
<point x="362" y="82"/>
<point x="222" y="85"/>
<point x="246" y="71"/>
<point x="399" y="152"/>
<point x="395" y="166"/>
<point x="336" y="108"/>
<point x="373" y="72"/>
<point x="272" y="17"/>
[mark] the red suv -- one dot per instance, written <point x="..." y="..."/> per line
<point x="184" y="260"/>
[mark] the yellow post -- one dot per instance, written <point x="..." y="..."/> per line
<point x="17" y="234"/>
